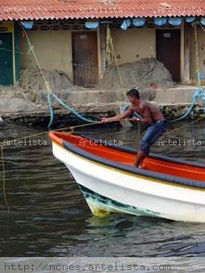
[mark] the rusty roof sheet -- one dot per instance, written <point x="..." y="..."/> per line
<point x="79" y="9"/>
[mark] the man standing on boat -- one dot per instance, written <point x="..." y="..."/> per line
<point x="150" y="115"/>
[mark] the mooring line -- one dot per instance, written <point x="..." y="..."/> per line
<point x="71" y="128"/>
<point x="71" y="131"/>
<point x="4" y="178"/>
<point x="184" y="126"/>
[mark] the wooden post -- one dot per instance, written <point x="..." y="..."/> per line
<point x="186" y="53"/>
<point x="13" y="55"/>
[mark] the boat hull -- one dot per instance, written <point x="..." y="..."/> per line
<point x="108" y="189"/>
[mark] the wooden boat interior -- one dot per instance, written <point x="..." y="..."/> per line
<point x="183" y="170"/>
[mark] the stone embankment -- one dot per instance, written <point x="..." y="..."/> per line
<point x="31" y="108"/>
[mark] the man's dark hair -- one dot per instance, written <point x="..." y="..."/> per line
<point x="133" y="93"/>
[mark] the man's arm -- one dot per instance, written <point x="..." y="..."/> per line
<point x="124" y="115"/>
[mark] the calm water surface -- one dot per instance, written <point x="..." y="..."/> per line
<point x="49" y="217"/>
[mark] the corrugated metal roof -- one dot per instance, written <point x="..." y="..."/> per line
<point x="79" y="9"/>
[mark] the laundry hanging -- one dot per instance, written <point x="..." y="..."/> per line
<point x="138" y="22"/>
<point x="160" y="21"/>
<point x="92" y="25"/>
<point x="175" y="21"/>
<point x="202" y="21"/>
<point x="27" y="24"/>
<point x="125" y="24"/>
<point x="190" y="19"/>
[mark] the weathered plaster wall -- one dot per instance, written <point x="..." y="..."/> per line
<point x="102" y="51"/>
<point x="134" y="44"/>
<point x="201" y="50"/>
<point x="52" y="48"/>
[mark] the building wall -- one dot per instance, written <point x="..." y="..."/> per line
<point x="201" y="48"/>
<point x="201" y="52"/>
<point x="134" y="44"/>
<point x="52" y="48"/>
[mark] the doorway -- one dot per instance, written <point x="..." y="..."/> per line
<point x="6" y="59"/>
<point x="168" y="51"/>
<point x="85" y="58"/>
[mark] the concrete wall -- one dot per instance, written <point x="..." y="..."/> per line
<point x="52" y="48"/>
<point x="134" y="44"/>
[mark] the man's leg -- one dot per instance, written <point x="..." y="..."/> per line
<point x="144" y="146"/>
<point x="139" y="158"/>
<point x="151" y="135"/>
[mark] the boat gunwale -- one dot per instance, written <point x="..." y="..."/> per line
<point x="151" y="155"/>
<point x="146" y="173"/>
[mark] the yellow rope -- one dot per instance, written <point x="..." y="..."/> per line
<point x="138" y="133"/>
<point x="197" y="55"/>
<point x="112" y="54"/>
<point x="4" y="178"/>
<point x="24" y="137"/>
<point x="183" y="126"/>
<point x="31" y="48"/>
<point x="71" y="128"/>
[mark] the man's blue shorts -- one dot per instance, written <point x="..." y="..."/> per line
<point x="153" y="132"/>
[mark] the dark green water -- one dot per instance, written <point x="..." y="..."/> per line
<point x="49" y="217"/>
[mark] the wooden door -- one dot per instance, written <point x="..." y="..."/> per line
<point x="85" y="58"/>
<point x="168" y="51"/>
<point x="6" y="60"/>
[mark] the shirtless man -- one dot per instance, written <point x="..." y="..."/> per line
<point x="151" y="116"/>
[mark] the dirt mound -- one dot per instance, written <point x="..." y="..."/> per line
<point x="31" y="79"/>
<point x="137" y="75"/>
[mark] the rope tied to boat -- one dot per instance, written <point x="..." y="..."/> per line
<point x="70" y="130"/>
<point x="4" y="177"/>
<point x="2" y="143"/>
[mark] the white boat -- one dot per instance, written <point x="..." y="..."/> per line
<point x="164" y="187"/>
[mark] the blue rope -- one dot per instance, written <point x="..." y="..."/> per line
<point x="203" y="98"/>
<point x="67" y="107"/>
<point x="200" y="92"/>
<point x="50" y="110"/>
<point x="186" y="114"/>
